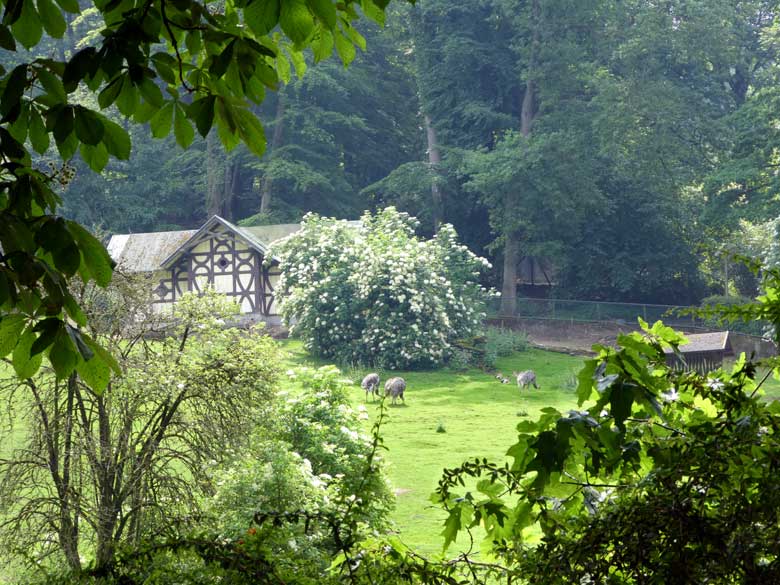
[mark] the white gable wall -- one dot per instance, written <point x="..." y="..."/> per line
<point x="226" y="263"/>
<point x="219" y="255"/>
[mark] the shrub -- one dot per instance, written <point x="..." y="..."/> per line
<point x="325" y="430"/>
<point x="711" y="303"/>
<point x="307" y="485"/>
<point x="136" y="456"/>
<point x="461" y="359"/>
<point x="312" y="460"/>
<point x="725" y="300"/>
<point x="500" y="342"/>
<point x="376" y="293"/>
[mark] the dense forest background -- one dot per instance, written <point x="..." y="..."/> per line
<point x="634" y="144"/>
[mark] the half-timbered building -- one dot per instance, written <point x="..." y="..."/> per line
<point x="228" y="258"/>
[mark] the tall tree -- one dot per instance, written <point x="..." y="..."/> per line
<point x="336" y="130"/>
<point x="539" y="180"/>
<point x="448" y="46"/>
<point x="276" y="143"/>
<point x="212" y="64"/>
<point x="743" y="181"/>
<point x="528" y="113"/>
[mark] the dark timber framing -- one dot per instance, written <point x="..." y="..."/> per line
<point x="232" y="262"/>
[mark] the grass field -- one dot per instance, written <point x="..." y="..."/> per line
<point x="478" y="415"/>
<point x="449" y="417"/>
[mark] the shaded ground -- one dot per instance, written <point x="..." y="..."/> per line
<point x="580" y="346"/>
<point x="578" y="337"/>
<point x="571" y="344"/>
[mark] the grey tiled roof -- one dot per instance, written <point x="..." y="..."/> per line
<point x="197" y="237"/>
<point x="703" y="342"/>
<point x="145" y="252"/>
<point x="152" y="251"/>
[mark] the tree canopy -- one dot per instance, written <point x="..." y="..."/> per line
<point x="637" y="115"/>
<point x="179" y="67"/>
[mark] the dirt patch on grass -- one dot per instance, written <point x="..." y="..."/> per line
<point x="578" y="348"/>
<point x="579" y="345"/>
<point x="570" y="337"/>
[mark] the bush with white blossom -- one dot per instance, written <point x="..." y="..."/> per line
<point x="375" y="293"/>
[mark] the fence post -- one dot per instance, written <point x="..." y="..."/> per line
<point x="598" y="312"/>
<point x="644" y="312"/>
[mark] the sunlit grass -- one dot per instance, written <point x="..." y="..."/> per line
<point x="478" y="415"/>
<point x="450" y="417"/>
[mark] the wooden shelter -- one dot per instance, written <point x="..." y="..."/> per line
<point x="536" y="271"/>
<point x="703" y="353"/>
<point x="221" y="255"/>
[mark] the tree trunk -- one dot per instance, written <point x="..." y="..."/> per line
<point x="509" y="284"/>
<point x="69" y="528"/>
<point x="214" y="170"/>
<point x="433" y="153"/>
<point x="511" y="234"/>
<point x="276" y="142"/>
<point x="527" y="112"/>
<point x="740" y="83"/>
<point x="229" y="190"/>
<point x="434" y="160"/>
<point x="108" y="512"/>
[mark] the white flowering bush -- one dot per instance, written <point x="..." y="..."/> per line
<point x="322" y="426"/>
<point x="375" y="293"/>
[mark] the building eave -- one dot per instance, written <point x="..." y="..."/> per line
<point x="198" y="236"/>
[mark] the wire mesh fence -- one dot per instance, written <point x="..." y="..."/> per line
<point x="603" y="311"/>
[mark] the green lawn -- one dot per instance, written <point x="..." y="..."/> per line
<point x="478" y="414"/>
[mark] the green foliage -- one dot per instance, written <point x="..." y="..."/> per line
<point x="325" y="430"/>
<point x="724" y="300"/>
<point x="500" y="342"/>
<point x="763" y="312"/>
<point x="461" y="359"/>
<point x="664" y="473"/>
<point x="319" y="125"/>
<point x="309" y="460"/>
<point x="377" y="294"/>
<point x="273" y="515"/>
<point x="137" y="456"/>
<point x="181" y="66"/>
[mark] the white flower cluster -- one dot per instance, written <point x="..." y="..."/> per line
<point x="377" y="293"/>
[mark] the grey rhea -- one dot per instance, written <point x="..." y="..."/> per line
<point x="394" y="388"/>
<point x="525" y="379"/>
<point x="371" y="384"/>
